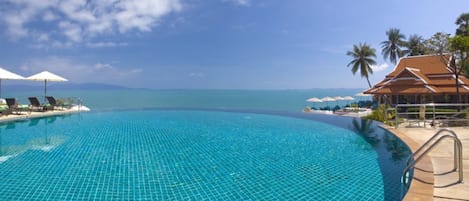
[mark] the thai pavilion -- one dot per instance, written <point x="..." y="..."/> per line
<point x="421" y="79"/>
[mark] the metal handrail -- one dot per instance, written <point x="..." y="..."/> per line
<point x="430" y="140"/>
<point x="71" y="101"/>
<point x="457" y="152"/>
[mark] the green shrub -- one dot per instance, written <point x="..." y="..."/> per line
<point x="379" y="114"/>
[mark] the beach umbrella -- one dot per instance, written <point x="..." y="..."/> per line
<point x="7" y="75"/>
<point x="314" y="100"/>
<point x="46" y="76"/>
<point x="362" y="94"/>
<point x="348" y="99"/>
<point x="327" y="99"/>
<point x="338" y="98"/>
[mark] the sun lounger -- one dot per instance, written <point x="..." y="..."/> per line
<point x="54" y="103"/>
<point x="13" y="106"/>
<point x="4" y="109"/>
<point x="36" y="105"/>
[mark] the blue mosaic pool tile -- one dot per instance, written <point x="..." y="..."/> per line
<point x="167" y="155"/>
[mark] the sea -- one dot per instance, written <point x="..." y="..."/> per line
<point x="128" y="99"/>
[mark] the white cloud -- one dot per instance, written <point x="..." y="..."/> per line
<point x="197" y="75"/>
<point x="77" y="71"/>
<point x="77" y="20"/>
<point x="20" y="13"/>
<point x="72" y="31"/>
<point x="136" y="70"/>
<point x="43" y="37"/>
<point x="380" y="67"/>
<point x="103" y="66"/>
<point x="106" y="44"/>
<point x="49" y="16"/>
<point x="15" y="26"/>
<point x="239" y="2"/>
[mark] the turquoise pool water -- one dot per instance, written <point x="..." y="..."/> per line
<point x="198" y="155"/>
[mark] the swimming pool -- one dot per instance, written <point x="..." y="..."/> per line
<point x="198" y="155"/>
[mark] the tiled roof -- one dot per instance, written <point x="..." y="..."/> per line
<point x="430" y="64"/>
<point x="427" y="74"/>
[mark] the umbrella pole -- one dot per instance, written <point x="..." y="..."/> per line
<point x="45" y="90"/>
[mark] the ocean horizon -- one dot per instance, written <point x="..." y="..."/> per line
<point x="291" y="100"/>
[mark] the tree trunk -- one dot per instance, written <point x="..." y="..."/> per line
<point x="369" y="84"/>
<point x="458" y="96"/>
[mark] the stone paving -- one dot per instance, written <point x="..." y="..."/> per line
<point x="445" y="186"/>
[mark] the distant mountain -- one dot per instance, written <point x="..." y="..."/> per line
<point x="87" y="86"/>
<point x="64" y="86"/>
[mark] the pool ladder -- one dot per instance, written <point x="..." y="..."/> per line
<point x="427" y="147"/>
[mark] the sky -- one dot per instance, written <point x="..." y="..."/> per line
<point x="210" y="44"/>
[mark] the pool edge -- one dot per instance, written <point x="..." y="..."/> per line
<point x="32" y="115"/>
<point x="418" y="190"/>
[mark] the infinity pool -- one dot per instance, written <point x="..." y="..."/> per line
<point x="198" y="155"/>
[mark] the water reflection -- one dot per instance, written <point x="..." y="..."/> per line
<point x="8" y="151"/>
<point x="396" y="147"/>
<point x="46" y="143"/>
<point x="21" y="136"/>
<point x="366" y="129"/>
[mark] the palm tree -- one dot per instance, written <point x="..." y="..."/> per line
<point x="363" y="58"/>
<point x="414" y="46"/>
<point x="392" y="47"/>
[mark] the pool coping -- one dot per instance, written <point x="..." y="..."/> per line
<point x="31" y="115"/>
<point x="421" y="187"/>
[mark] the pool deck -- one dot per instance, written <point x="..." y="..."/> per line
<point x="350" y="112"/>
<point x="28" y="115"/>
<point x="435" y="183"/>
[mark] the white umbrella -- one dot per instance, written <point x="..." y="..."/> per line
<point x="327" y="99"/>
<point x="46" y="76"/>
<point x="348" y="99"/>
<point x="7" y="75"/>
<point x="314" y="100"/>
<point x="362" y="94"/>
<point x="337" y="99"/>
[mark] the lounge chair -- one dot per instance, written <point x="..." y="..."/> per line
<point x="36" y="105"/>
<point x="4" y="109"/>
<point x="13" y="106"/>
<point x="3" y="106"/>
<point x="54" y="104"/>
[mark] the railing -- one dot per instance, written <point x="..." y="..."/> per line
<point x="71" y="101"/>
<point x="426" y="148"/>
<point x="440" y="113"/>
